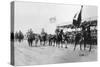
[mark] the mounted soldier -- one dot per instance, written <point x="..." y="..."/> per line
<point x="30" y="37"/>
<point x="19" y="36"/>
<point x="59" y="37"/>
<point x="57" y="31"/>
<point x="88" y="39"/>
<point x="43" y="37"/>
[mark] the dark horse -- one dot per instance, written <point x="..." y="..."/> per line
<point x="88" y="38"/>
<point x="84" y="37"/>
<point x="30" y="37"/>
<point x="52" y="40"/>
<point x="78" y="40"/>
<point x="43" y="38"/>
<point x="65" y="39"/>
<point x="37" y="36"/>
<point x="19" y="36"/>
<point x="60" y="38"/>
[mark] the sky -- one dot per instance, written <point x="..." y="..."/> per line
<point x="37" y="15"/>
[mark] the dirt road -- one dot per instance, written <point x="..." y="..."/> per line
<point x="25" y="55"/>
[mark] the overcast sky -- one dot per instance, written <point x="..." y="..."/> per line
<point x="37" y="15"/>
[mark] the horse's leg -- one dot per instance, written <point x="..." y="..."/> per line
<point x="90" y="46"/>
<point x="40" y="42"/>
<point x="28" y="42"/>
<point x="65" y="44"/>
<point x="80" y="46"/>
<point x="58" y="44"/>
<point x="54" y="43"/>
<point x="49" y="42"/>
<point x="43" y="43"/>
<point x="36" y="42"/>
<point x="84" y="44"/>
<point x="61" y="44"/>
<point x="75" y="46"/>
<point x="31" y="43"/>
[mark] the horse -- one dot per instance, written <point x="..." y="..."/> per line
<point x="59" y="38"/>
<point x="78" y="40"/>
<point x="65" y="39"/>
<point x="36" y="39"/>
<point x="52" y="40"/>
<point x="84" y="37"/>
<point x="30" y="37"/>
<point x="43" y="38"/>
<point x="19" y="36"/>
<point x="88" y="38"/>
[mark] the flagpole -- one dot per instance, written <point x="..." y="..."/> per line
<point x="79" y="20"/>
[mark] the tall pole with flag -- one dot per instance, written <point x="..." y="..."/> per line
<point x="77" y="19"/>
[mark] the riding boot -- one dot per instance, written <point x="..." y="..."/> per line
<point x="84" y="45"/>
<point x="75" y="46"/>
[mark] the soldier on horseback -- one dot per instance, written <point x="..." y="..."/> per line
<point x="88" y="37"/>
<point x="19" y="36"/>
<point x="30" y="36"/>
<point x="43" y="37"/>
<point x="59" y="37"/>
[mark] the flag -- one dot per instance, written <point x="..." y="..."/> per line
<point x="77" y="21"/>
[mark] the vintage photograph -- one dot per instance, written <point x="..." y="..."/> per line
<point x="49" y="33"/>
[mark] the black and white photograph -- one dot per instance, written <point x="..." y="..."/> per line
<point x="50" y="33"/>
